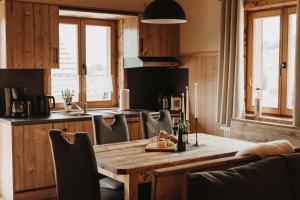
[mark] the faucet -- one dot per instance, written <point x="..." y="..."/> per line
<point x="82" y="109"/>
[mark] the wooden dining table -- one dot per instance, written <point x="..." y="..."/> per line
<point x="129" y="163"/>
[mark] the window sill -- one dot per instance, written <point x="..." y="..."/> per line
<point x="269" y="120"/>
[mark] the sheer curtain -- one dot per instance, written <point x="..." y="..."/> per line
<point x="297" y="72"/>
<point x="231" y="63"/>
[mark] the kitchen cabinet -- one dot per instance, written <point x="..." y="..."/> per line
<point x="149" y="40"/>
<point x="158" y="40"/>
<point x="31" y="35"/>
<point x="27" y="170"/>
<point x="33" y="166"/>
<point x="84" y="126"/>
<point x="33" y="163"/>
<point x="134" y="128"/>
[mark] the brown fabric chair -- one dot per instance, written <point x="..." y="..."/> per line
<point x="106" y="134"/>
<point x="164" y="122"/>
<point x="75" y="164"/>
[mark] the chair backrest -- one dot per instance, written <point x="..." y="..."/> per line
<point x="115" y="132"/>
<point x="164" y="122"/>
<point x="75" y="165"/>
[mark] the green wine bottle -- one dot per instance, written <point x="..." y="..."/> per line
<point x="182" y="134"/>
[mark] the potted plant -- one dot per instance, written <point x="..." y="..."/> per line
<point x="67" y="96"/>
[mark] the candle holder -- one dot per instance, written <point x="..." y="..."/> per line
<point x="188" y="131"/>
<point x="196" y="122"/>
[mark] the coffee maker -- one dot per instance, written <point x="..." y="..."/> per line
<point x="16" y="102"/>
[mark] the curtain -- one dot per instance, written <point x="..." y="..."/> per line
<point x="297" y="72"/>
<point x="231" y="62"/>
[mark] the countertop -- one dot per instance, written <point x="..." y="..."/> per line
<point x="60" y="116"/>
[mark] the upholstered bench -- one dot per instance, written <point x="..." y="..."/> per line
<point x="274" y="178"/>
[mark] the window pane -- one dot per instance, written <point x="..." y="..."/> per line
<point x="66" y="77"/>
<point x="266" y="43"/>
<point x="98" y="62"/>
<point x="291" y="60"/>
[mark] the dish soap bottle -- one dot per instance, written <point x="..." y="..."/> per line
<point x="182" y="134"/>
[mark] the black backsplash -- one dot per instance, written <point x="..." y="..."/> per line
<point x="146" y="84"/>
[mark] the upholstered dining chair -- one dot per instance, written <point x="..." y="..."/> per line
<point x="110" y="133"/>
<point x="151" y="126"/>
<point x="77" y="176"/>
<point x="107" y="134"/>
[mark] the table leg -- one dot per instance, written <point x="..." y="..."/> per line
<point x="131" y="187"/>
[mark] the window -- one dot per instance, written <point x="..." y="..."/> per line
<point x="87" y="53"/>
<point x="271" y="59"/>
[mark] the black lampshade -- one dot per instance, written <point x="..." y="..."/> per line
<point x="164" y="12"/>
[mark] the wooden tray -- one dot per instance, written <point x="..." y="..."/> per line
<point x="169" y="149"/>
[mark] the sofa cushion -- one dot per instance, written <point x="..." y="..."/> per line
<point x="263" y="180"/>
<point x="293" y="168"/>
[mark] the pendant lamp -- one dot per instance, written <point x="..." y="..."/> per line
<point x="164" y="12"/>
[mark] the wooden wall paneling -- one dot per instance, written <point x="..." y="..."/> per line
<point x="6" y="163"/>
<point x="38" y="157"/>
<point x="41" y="36"/>
<point x="83" y="126"/>
<point x="203" y="69"/>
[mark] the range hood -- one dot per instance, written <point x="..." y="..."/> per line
<point x="135" y="62"/>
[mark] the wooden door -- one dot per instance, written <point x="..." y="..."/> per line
<point x="159" y="40"/>
<point x="33" y="164"/>
<point x="83" y="126"/>
<point x="32" y="35"/>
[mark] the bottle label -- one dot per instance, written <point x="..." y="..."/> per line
<point x="184" y="137"/>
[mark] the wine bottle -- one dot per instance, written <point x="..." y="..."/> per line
<point x="182" y="134"/>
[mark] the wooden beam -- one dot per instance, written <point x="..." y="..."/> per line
<point x="252" y="5"/>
